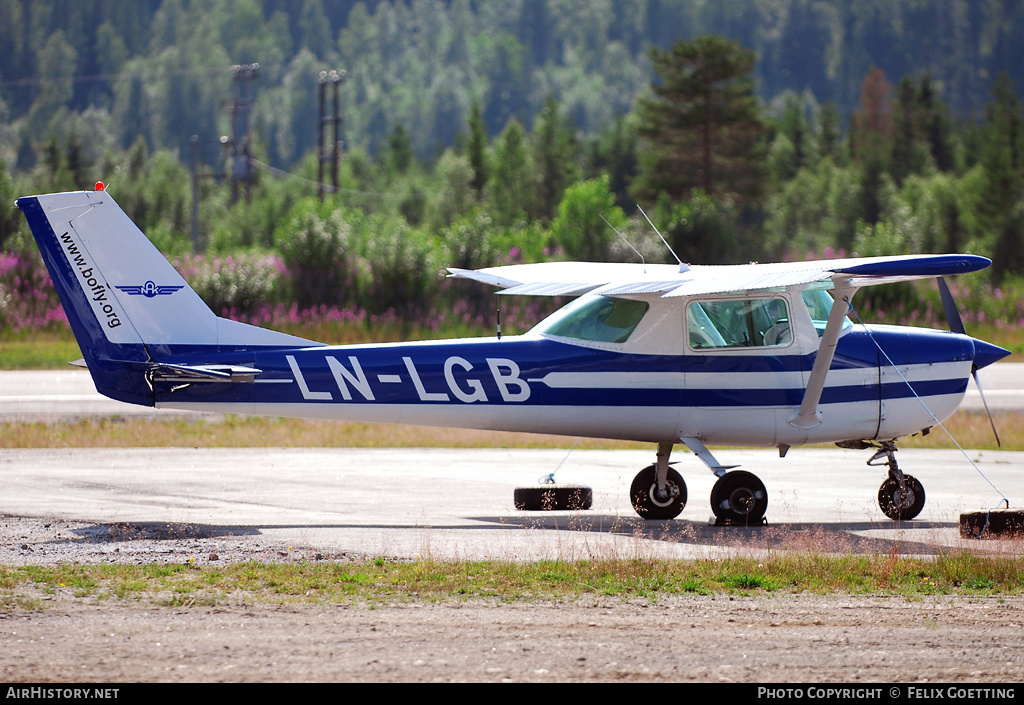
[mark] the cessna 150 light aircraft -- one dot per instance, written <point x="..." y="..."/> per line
<point x="758" y="354"/>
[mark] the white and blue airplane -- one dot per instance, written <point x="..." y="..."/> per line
<point x="753" y="355"/>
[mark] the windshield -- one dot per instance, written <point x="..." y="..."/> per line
<point x="598" y="318"/>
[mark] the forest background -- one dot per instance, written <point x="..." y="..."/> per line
<point x="485" y="133"/>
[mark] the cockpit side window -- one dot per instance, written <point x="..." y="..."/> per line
<point x="601" y="319"/>
<point x="739" y="323"/>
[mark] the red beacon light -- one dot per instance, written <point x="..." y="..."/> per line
<point x="100" y="186"/>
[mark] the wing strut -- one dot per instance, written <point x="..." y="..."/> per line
<point x="808" y="416"/>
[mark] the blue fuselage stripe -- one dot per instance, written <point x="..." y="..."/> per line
<point x="512" y="371"/>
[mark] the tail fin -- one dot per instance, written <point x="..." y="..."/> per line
<point x="124" y="300"/>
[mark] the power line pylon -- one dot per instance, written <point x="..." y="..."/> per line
<point x="329" y="151"/>
<point x="240" y="144"/>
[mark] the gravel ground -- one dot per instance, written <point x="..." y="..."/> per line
<point x="30" y="541"/>
<point x="773" y="638"/>
<point x="709" y="639"/>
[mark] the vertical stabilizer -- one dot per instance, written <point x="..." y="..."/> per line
<point x="124" y="300"/>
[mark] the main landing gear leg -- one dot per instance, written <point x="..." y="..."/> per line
<point x="901" y="497"/>
<point x="739" y="498"/>
<point x="658" y="491"/>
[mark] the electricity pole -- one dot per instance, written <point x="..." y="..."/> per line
<point x="329" y="151"/>
<point x="240" y="144"/>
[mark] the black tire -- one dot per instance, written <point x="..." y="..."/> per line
<point x="739" y="498"/>
<point x="549" y="498"/>
<point x="905" y="507"/>
<point x="643" y="494"/>
<point x="992" y="524"/>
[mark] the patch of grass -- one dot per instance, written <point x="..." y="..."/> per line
<point x="261" y="432"/>
<point x="751" y="581"/>
<point x="971" y="430"/>
<point x="373" y="581"/>
<point x="38" y="350"/>
<point x="696" y="586"/>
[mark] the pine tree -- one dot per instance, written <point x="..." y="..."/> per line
<point x="478" y="148"/>
<point x="702" y="126"/>
<point x="1003" y="160"/>
<point x="555" y="152"/>
<point x="511" y="186"/>
<point x="872" y="140"/>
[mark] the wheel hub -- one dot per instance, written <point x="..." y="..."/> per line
<point x="663" y="499"/>
<point x="903" y="499"/>
<point x="742" y="500"/>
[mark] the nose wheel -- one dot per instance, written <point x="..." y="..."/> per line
<point x="901" y="503"/>
<point x="739" y="498"/>
<point x="901" y="497"/>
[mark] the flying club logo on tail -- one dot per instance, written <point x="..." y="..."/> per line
<point x="149" y="290"/>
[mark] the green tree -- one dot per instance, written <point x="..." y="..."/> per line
<point x="10" y="217"/>
<point x="872" y="140"/>
<point x="478" y="148"/>
<point x="794" y="125"/>
<point x="400" y="155"/>
<point x="703" y="230"/>
<point x="455" y="195"/>
<point x="1003" y="162"/>
<point x="321" y="255"/>
<point x="314" y="30"/>
<point x="580" y="226"/>
<point x="920" y="130"/>
<point x="934" y="124"/>
<point x="56" y="61"/>
<point x="829" y="134"/>
<point x="511" y="186"/>
<point x="613" y="152"/>
<point x="554" y="154"/>
<point x="702" y="126"/>
<point x="503" y="59"/>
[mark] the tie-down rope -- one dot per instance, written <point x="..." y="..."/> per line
<point x="937" y="422"/>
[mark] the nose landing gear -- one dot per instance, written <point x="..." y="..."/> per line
<point x="901" y="497"/>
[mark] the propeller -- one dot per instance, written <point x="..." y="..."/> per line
<point x="956" y="324"/>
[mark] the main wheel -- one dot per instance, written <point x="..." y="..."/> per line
<point x="739" y="497"/>
<point x="901" y="506"/>
<point x="646" y="500"/>
<point x="549" y="498"/>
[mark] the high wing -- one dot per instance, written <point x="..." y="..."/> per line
<point x="575" y="278"/>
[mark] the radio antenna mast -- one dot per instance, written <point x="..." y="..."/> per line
<point x="682" y="267"/>
<point x="642" y="260"/>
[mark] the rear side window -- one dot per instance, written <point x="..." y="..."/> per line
<point x="739" y="323"/>
<point x="599" y="318"/>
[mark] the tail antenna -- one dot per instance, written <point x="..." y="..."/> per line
<point x="642" y="260"/>
<point x="682" y="267"/>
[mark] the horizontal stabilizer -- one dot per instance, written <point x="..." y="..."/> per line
<point x="163" y="372"/>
